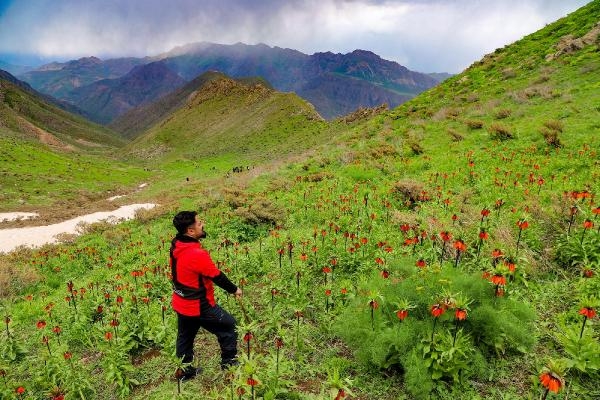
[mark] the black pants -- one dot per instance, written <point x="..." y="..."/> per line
<point x="215" y="320"/>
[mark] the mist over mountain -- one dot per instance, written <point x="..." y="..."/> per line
<point x="335" y="83"/>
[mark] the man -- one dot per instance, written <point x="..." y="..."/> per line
<point x="193" y="294"/>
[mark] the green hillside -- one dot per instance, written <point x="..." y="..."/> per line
<point x="225" y="118"/>
<point x="446" y="249"/>
<point x="52" y="157"/>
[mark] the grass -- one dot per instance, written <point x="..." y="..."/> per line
<point x="332" y="179"/>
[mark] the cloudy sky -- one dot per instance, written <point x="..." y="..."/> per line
<point x="423" y="35"/>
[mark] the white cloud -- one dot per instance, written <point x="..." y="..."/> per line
<point x="426" y="35"/>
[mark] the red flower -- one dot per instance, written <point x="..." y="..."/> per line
<point x="522" y="224"/>
<point x="454" y="217"/>
<point x="385" y="274"/>
<point x="278" y="342"/>
<point x="373" y="304"/>
<point x="437" y="310"/>
<point x="596" y="211"/>
<point x="498" y="279"/>
<point x="421" y="263"/>
<point x="67" y="355"/>
<point x="344" y="291"/>
<point x="327" y="292"/>
<point x="326" y="270"/>
<point x="57" y="330"/>
<point x="485" y="212"/>
<point x="460" y="314"/>
<point x="460" y="245"/>
<point x="41" y="324"/>
<point x="446" y="236"/>
<point x="402" y="314"/>
<point x="364" y="240"/>
<point x="388" y="249"/>
<point x="108" y="336"/>
<point x="20" y="390"/>
<point x="248" y="337"/>
<point x="303" y="257"/>
<point x="483" y="235"/>
<point x="334" y="261"/>
<point x="252" y="382"/>
<point x="405" y="228"/>
<point x="340" y="394"/>
<point x="588" y="224"/>
<point x="588" y="312"/>
<point x="119" y="300"/>
<point x="588" y="273"/>
<point x="550" y="382"/>
<point x="497" y="253"/>
<point x="114" y="322"/>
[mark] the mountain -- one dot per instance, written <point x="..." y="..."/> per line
<point x="336" y="83"/>
<point x="353" y="80"/>
<point x="105" y="99"/>
<point x="58" y="79"/>
<point x="32" y="115"/>
<point x="139" y="119"/>
<point x="216" y="116"/>
<point x="14" y="69"/>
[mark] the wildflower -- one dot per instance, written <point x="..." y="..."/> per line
<point x="498" y="279"/>
<point x="373" y="304"/>
<point x="20" y="390"/>
<point x="587" y="312"/>
<point x="41" y="324"/>
<point x="67" y="355"/>
<point x="385" y="274"/>
<point x="421" y="263"/>
<point x="326" y="270"/>
<point x="460" y="314"/>
<point x="402" y="314"/>
<point x="460" y="245"/>
<point x="248" y="336"/>
<point x="437" y="310"/>
<point x="551" y="381"/>
<point x="251" y="381"/>
<point x="108" y="336"/>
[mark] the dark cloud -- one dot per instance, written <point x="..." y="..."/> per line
<point x="426" y="35"/>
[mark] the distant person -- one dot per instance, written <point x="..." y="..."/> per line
<point x="193" y="294"/>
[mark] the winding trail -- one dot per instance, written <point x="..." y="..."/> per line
<point x="35" y="236"/>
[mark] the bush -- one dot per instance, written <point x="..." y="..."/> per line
<point x="499" y="132"/>
<point x="551" y="137"/>
<point x="455" y="135"/>
<point x="409" y="190"/>
<point x="503" y="113"/>
<point x="474" y="123"/>
<point x="494" y="325"/>
<point x="261" y="211"/>
<point x="554" y="125"/>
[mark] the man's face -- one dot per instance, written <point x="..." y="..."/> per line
<point x="196" y="230"/>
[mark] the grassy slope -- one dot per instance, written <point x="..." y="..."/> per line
<point x="40" y="143"/>
<point x="368" y="159"/>
<point x="226" y="118"/>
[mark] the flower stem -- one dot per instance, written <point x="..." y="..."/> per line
<point x="583" y="326"/>
<point x="433" y="330"/>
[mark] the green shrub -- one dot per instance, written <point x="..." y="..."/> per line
<point x="494" y="326"/>
<point x="500" y="132"/>
<point x="474" y="123"/>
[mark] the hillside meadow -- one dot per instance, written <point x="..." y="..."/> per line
<point x="448" y="248"/>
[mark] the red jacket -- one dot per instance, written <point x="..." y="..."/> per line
<point x="193" y="274"/>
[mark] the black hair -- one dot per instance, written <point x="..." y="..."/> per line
<point x="184" y="220"/>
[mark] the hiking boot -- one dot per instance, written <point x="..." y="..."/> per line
<point x="188" y="373"/>
<point x="229" y="364"/>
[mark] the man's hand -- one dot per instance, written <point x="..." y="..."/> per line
<point x="238" y="293"/>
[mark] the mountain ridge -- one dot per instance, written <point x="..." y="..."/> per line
<point x="360" y="71"/>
